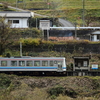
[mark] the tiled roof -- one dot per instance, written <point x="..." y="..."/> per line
<point x="15" y="14"/>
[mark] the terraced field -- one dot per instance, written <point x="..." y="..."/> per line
<point x="71" y="10"/>
<point x="57" y="4"/>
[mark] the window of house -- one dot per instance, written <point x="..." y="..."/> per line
<point x="85" y="63"/>
<point x="13" y="63"/>
<point x="3" y="63"/>
<point x="98" y="36"/>
<point x="10" y="21"/>
<point x="16" y="21"/>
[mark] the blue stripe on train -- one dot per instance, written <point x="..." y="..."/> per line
<point x="31" y="67"/>
<point x="94" y="68"/>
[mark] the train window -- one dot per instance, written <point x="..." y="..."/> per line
<point x="59" y="62"/>
<point x="55" y="62"/>
<point x="51" y="63"/>
<point x="3" y="63"/>
<point x="13" y="63"/>
<point x="21" y="63"/>
<point x="29" y="63"/>
<point x="44" y="63"/>
<point x="36" y="63"/>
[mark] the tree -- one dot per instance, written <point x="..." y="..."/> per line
<point x="7" y="35"/>
<point x="91" y="17"/>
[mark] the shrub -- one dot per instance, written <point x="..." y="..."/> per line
<point x="55" y="91"/>
<point x="30" y="41"/>
<point x="4" y="81"/>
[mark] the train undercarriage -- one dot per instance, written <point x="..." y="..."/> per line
<point x="45" y="73"/>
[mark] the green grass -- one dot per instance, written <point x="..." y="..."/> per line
<point x="57" y="8"/>
<point x="60" y="4"/>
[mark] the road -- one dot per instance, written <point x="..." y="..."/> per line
<point x="65" y="23"/>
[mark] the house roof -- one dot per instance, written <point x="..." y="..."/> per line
<point x="96" y="32"/>
<point x="10" y="14"/>
<point x="81" y="57"/>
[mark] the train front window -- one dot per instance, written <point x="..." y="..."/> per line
<point x="13" y="63"/>
<point x="3" y="63"/>
<point x="29" y="63"/>
<point x="51" y="63"/>
<point x="59" y="62"/>
<point x="21" y="63"/>
<point x="36" y="63"/>
<point x="44" y="63"/>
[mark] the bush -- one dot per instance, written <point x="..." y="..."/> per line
<point x="4" y="81"/>
<point x="30" y="41"/>
<point x="30" y="32"/>
<point x="56" y="91"/>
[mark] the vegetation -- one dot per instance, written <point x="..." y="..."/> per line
<point x="10" y="36"/>
<point x="4" y="7"/>
<point x="68" y="9"/>
<point x="49" y="88"/>
<point x="7" y="35"/>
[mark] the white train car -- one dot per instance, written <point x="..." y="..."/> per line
<point x="35" y="64"/>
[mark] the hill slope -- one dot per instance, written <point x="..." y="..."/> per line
<point x="47" y="88"/>
<point x="57" y="4"/>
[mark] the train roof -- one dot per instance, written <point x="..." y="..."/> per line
<point x="29" y="57"/>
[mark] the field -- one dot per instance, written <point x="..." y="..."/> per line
<point x="68" y="9"/>
<point x="58" y="4"/>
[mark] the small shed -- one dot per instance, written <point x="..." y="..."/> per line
<point x="95" y="36"/>
<point x="81" y="63"/>
<point x="17" y="19"/>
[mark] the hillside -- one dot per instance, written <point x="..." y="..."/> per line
<point x="49" y="88"/>
<point x="57" y="4"/>
<point x="67" y="9"/>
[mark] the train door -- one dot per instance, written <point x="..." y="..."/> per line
<point x="60" y="66"/>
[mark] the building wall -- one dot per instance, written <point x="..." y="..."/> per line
<point x="94" y="38"/>
<point x="23" y="22"/>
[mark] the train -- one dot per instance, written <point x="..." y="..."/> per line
<point x="33" y="65"/>
<point x="48" y="66"/>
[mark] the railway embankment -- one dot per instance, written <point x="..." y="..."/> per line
<point x="14" y="87"/>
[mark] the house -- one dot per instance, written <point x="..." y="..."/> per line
<point x="81" y="64"/>
<point x="95" y="36"/>
<point x="17" y="19"/>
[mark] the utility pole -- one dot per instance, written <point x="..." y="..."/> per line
<point x="75" y="30"/>
<point x="36" y="22"/>
<point x="83" y="12"/>
<point x="16" y="5"/>
<point x="20" y="49"/>
<point x="24" y="4"/>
